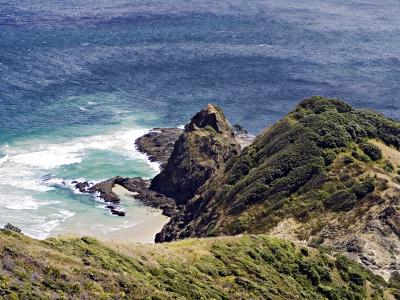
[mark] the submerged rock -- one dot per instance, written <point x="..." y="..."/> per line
<point x="117" y="212"/>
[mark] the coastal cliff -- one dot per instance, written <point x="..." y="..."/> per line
<point x="323" y="183"/>
<point x="326" y="175"/>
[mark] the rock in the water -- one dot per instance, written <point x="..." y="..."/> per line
<point x="158" y="144"/>
<point x="117" y="212"/>
<point x="105" y="191"/>
<point x="81" y="186"/>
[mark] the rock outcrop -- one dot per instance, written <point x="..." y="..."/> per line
<point x="205" y="145"/>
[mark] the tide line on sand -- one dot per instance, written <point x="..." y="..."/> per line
<point x="143" y="232"/>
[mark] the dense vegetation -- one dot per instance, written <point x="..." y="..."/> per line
<point x="216" y="268"/>
<point x="299" y="149"/>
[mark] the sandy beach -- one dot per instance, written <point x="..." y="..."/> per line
<point x="143" y="232"/>
<point x="140" y="224"/>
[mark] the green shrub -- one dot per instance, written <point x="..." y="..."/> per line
<point x="243" y="223"/>
<point x="329" y="158"/>
<point x="316" y="241"/>
<point x="364" y="188"/>
<point x="348" y="160"/>
<point x="360" y="156"/>
<point x="394" y="280"/>
<point x="372" y="151"/>
<point x="388" y="167"/>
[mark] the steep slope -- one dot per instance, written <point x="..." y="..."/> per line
<point x="207" y="142"/>
<point x="257" y="267"/>
<point x="326" y="174"/>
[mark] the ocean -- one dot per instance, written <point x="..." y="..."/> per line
<point x="81" y="79"/>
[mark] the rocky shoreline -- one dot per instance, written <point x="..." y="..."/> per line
<point x="137" y="185"/>
<point x="158" y="145"/>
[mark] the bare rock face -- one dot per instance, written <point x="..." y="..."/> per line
<point x="205" y="145"/>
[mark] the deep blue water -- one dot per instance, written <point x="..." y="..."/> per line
<point x="83" y="69"/>
<point x="256" y="59"/>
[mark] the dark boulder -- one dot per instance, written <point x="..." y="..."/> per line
<point x="11" y="227"/>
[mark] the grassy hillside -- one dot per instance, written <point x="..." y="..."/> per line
<point x="215" y="268"/>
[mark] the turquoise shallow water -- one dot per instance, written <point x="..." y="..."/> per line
<point x="80" y="79"/>
<point x="36" y="175"/>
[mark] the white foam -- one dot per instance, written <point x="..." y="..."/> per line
<point x="43" y="229"/>
<point x="4" y="159"/>
<point x="69" y="184"/>
<point x="66" y="213"/>
<point x="54" y="156"/>
<point x="82" y="108"/>
<point x="25" y="167"/>
<point x="21" y="177"/>
<point x="28" y="203"/>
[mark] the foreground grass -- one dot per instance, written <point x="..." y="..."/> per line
<point x="214" y="268"/>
